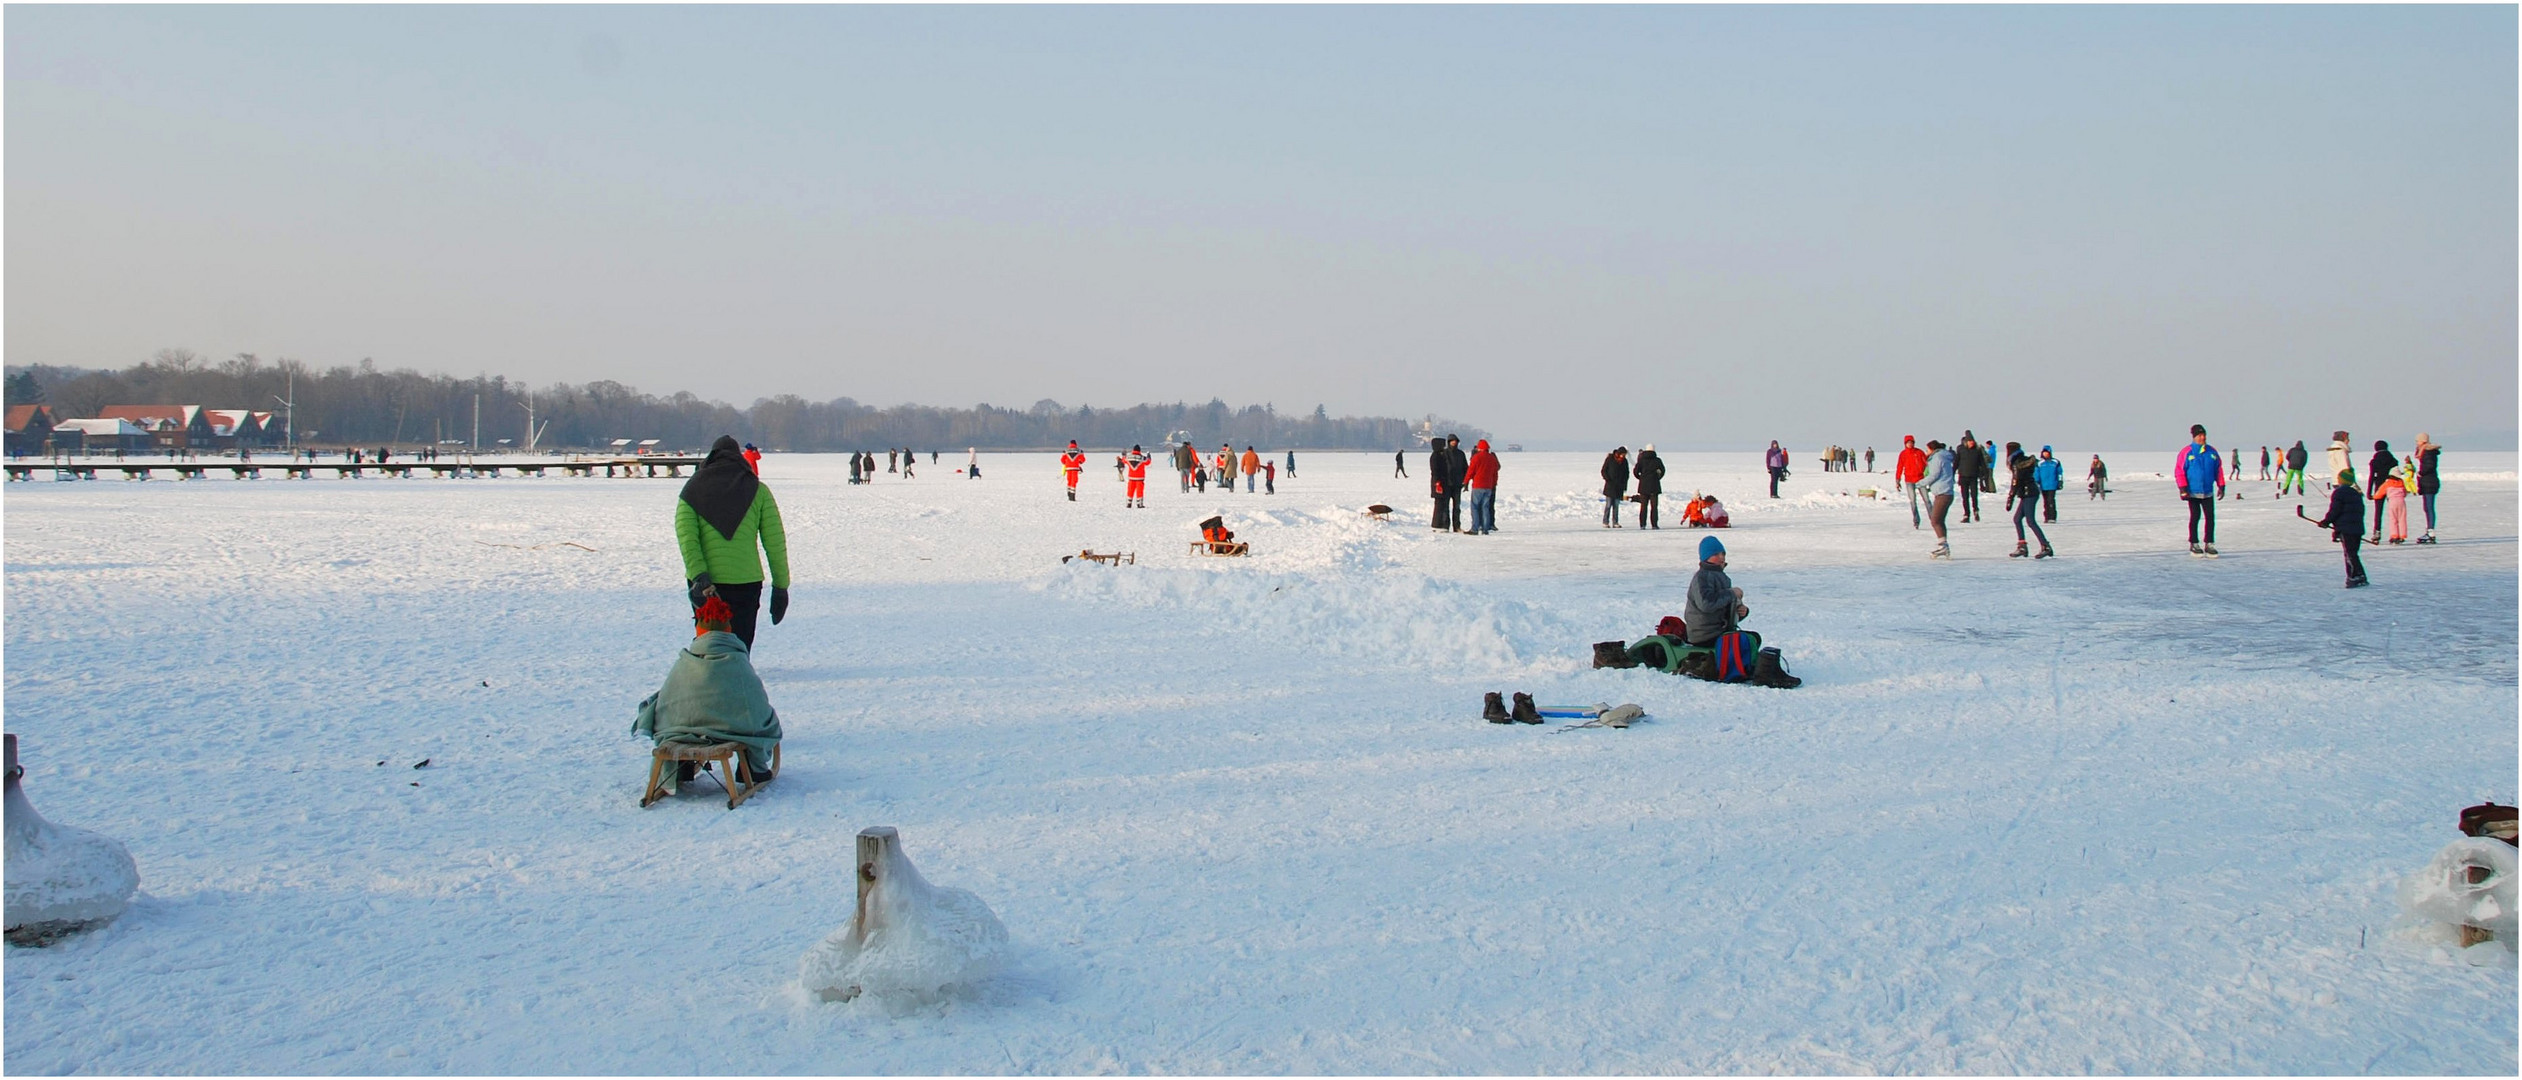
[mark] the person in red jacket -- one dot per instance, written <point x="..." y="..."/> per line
<point x="753" y="458"/>
<point x="1137" y="490"/>
<point x="1480" y="475"/>
<point x="1908" y="471"/>
<point x="1073" y="462"/>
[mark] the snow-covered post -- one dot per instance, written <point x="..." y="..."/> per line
<point x="878" y="846"/>
<point x="909" y="940"/>
<point x="59" y="880"/>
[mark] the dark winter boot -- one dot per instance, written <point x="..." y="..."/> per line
<point x="1770" y="670"/>
<point x="2045" y="553"/>
<point x="1613" y="654"/>
<point x="1525" y="711"/>
<point x="2021" y="550"/>
<point x="1493" y="709"/>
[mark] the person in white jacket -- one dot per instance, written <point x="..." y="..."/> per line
<point x="1939" y="485"/>
<point x="2338" y="462"/>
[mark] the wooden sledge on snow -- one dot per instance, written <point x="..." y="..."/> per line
<point x="733" y="774"/>
<point x="1114" y="559"/>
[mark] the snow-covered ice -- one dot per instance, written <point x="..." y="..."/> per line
<point x="2122" y="811"/>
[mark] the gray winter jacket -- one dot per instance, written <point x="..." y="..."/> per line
<point x="1939" y="478"/>
<point x="1709" y="609"/>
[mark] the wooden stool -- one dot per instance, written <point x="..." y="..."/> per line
<point x="734" y="774"/>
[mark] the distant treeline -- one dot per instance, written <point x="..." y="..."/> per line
<point x="363" y="406"/>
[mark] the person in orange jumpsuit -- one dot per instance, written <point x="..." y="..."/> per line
<point x="1073" y="462"/>
<point x="1137" y="492"/>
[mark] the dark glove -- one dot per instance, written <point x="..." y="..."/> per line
<point x="702" y="589"/>
<point x="779" y="604"/>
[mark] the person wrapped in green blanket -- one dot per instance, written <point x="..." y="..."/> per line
<point x="712" y="695"/>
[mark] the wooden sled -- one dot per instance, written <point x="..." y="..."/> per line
<point x="1220" y="547"/>
<point x="1114" y="559"/>
<point x="733" y="773"/>
<point x="1379" y="512"/>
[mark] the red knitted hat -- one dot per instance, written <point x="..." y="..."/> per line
<point x="712" y="611"/>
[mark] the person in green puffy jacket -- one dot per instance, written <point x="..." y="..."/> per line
<point x="725" y="513"/>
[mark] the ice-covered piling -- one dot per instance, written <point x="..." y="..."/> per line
<point x="59" y="880"/>
<point x="2468" y="886"/>
<point x="909" y="940"/>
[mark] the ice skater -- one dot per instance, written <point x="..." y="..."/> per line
<point x="1907" y="470"/>
<point x="2428" y="480"/>
<point x="1939" y="484"/>
<point x="2024" y="495"/>
<point x="2199" y="475"/>
<point x="2049" y="474"/>
<point x="2292" y="475"/>
<point x="2377" y="472"/>
<point x="2345" y="522"/>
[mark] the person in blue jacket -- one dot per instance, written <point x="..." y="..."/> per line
<point x="2199" y="473"/>
<point x="2049" y="473"/>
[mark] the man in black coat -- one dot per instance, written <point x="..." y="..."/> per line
<point x="1649" y="472"/>
<point x="1446" y="467"/>
<point x="1970" y="469"/>
<point x="1615" y="485"/>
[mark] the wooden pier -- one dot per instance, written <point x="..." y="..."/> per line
<point x="640" y="466"/>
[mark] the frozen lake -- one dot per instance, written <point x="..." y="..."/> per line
<point x="2121" y="811"/>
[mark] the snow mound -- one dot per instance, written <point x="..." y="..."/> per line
<point x="910" y="943"/>
<point x="2469" y="883"/>
<point x="1355" y="610"/>
<point x="59" y="880"/>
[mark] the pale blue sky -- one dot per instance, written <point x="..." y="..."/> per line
<point x="1698" y="226"/>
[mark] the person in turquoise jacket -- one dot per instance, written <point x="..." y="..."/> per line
<point x="2049" y="473"/>
<point x="724" y="523"/>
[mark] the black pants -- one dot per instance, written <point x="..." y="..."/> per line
<point x="1448" y="512"/>
<point x="2049" y="505"/>
<point x="2354" y="547"/>
<point x="1968" y="490"/>
<point x="1775" y="475"/>
<point x="2199" y="508"/>
<point x="746" y="601"/>
<point x="1650" y="508"/>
